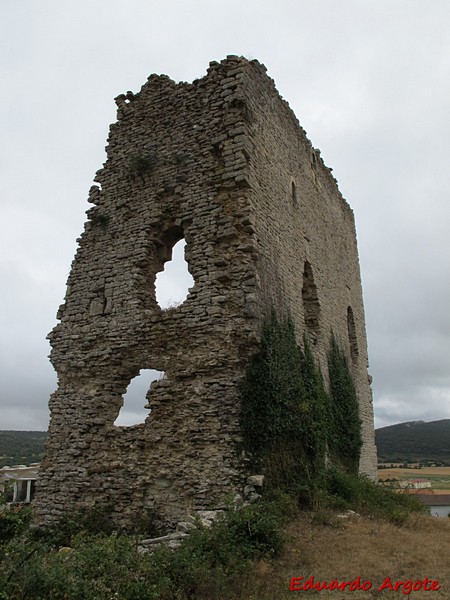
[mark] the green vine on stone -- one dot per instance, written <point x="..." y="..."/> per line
<point x="283" y="416"/>
<point x="291" y="426"/>
<point x="345" y="433"/>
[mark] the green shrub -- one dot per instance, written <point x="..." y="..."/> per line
<point x="345" y="491"/>
<point x="210" y="563"/>
<point x="92" y="568"/>
<point x="13" y="522"/>
<point x="96" y="520"/>
<point x="213" y="563"/>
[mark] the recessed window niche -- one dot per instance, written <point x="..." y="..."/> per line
<point x="293" y="192"/>
<point x="311" y="305"/>
<point x="352" y="338"/>
<point x="133" y="410"/>
<point x="173" y="283"/>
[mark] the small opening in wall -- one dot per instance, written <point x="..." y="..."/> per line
<point x="173" y="283"/>
<point x="134" y="400"/>
<point x="293" y="192"/>
<point x="311" y="305"/>
<point x="352" y="338"/>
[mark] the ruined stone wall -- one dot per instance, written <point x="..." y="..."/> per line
<point x="307" y="252"/>
<point x="223" y="164"/>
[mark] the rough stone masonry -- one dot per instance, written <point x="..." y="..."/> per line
<point x="222" y="163"/>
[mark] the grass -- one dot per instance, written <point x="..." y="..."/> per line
<point x="320" y="544"/>
<point x="342" y="549"/>
<point x="250" y="552"/>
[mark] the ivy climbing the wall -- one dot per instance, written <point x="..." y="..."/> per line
<point x="291" y="427"/>
<point x="315" y="410"/>
<point x="283" y="415"/>
<point x="345" y="426"/>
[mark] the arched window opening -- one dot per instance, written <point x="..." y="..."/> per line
<point x="353" y="340"/>
<point x="133" y="410"/>
<point x="311" y="305"/>
<point x="173" y="283"/>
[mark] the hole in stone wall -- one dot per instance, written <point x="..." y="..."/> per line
<point x="293" y="192"/>
<point x="311" y="305"/>
<point x="173" y="283"/>
<point x="352" y="338"/>
<point x="134" y="400"/>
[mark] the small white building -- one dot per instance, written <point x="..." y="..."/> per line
<point x="23" y="479"/>
<point x="416" y="484"/>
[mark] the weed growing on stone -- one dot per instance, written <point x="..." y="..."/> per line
<point x="141" y="164"/>
<point x="100" y="219"/>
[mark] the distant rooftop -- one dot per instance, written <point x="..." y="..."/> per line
<point x="435" y="499"/>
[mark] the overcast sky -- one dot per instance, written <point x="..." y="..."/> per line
<point x="369" y="80"/>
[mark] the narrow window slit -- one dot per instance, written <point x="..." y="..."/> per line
<point x="352" y="337"/>
<point x="311" y="305"/>
<point x="293" y="192"/>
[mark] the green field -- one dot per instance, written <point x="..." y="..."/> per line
<point x="438" y="476"/>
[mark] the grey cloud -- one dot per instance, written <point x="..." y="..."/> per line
<point x="368" y="81"/>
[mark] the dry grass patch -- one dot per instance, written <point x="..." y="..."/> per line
<point x="413" y="473"/>
<point x="331" y="548"/>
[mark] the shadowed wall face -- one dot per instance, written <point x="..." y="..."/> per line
<point x="223" y="165"/>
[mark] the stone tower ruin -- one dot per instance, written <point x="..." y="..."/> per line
<point x="223" y="164"/>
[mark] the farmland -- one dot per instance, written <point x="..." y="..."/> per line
<point x="438" y="476"/>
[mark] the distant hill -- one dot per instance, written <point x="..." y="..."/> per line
<point x="415" y="441"/>
<point x="21" y="447"/>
